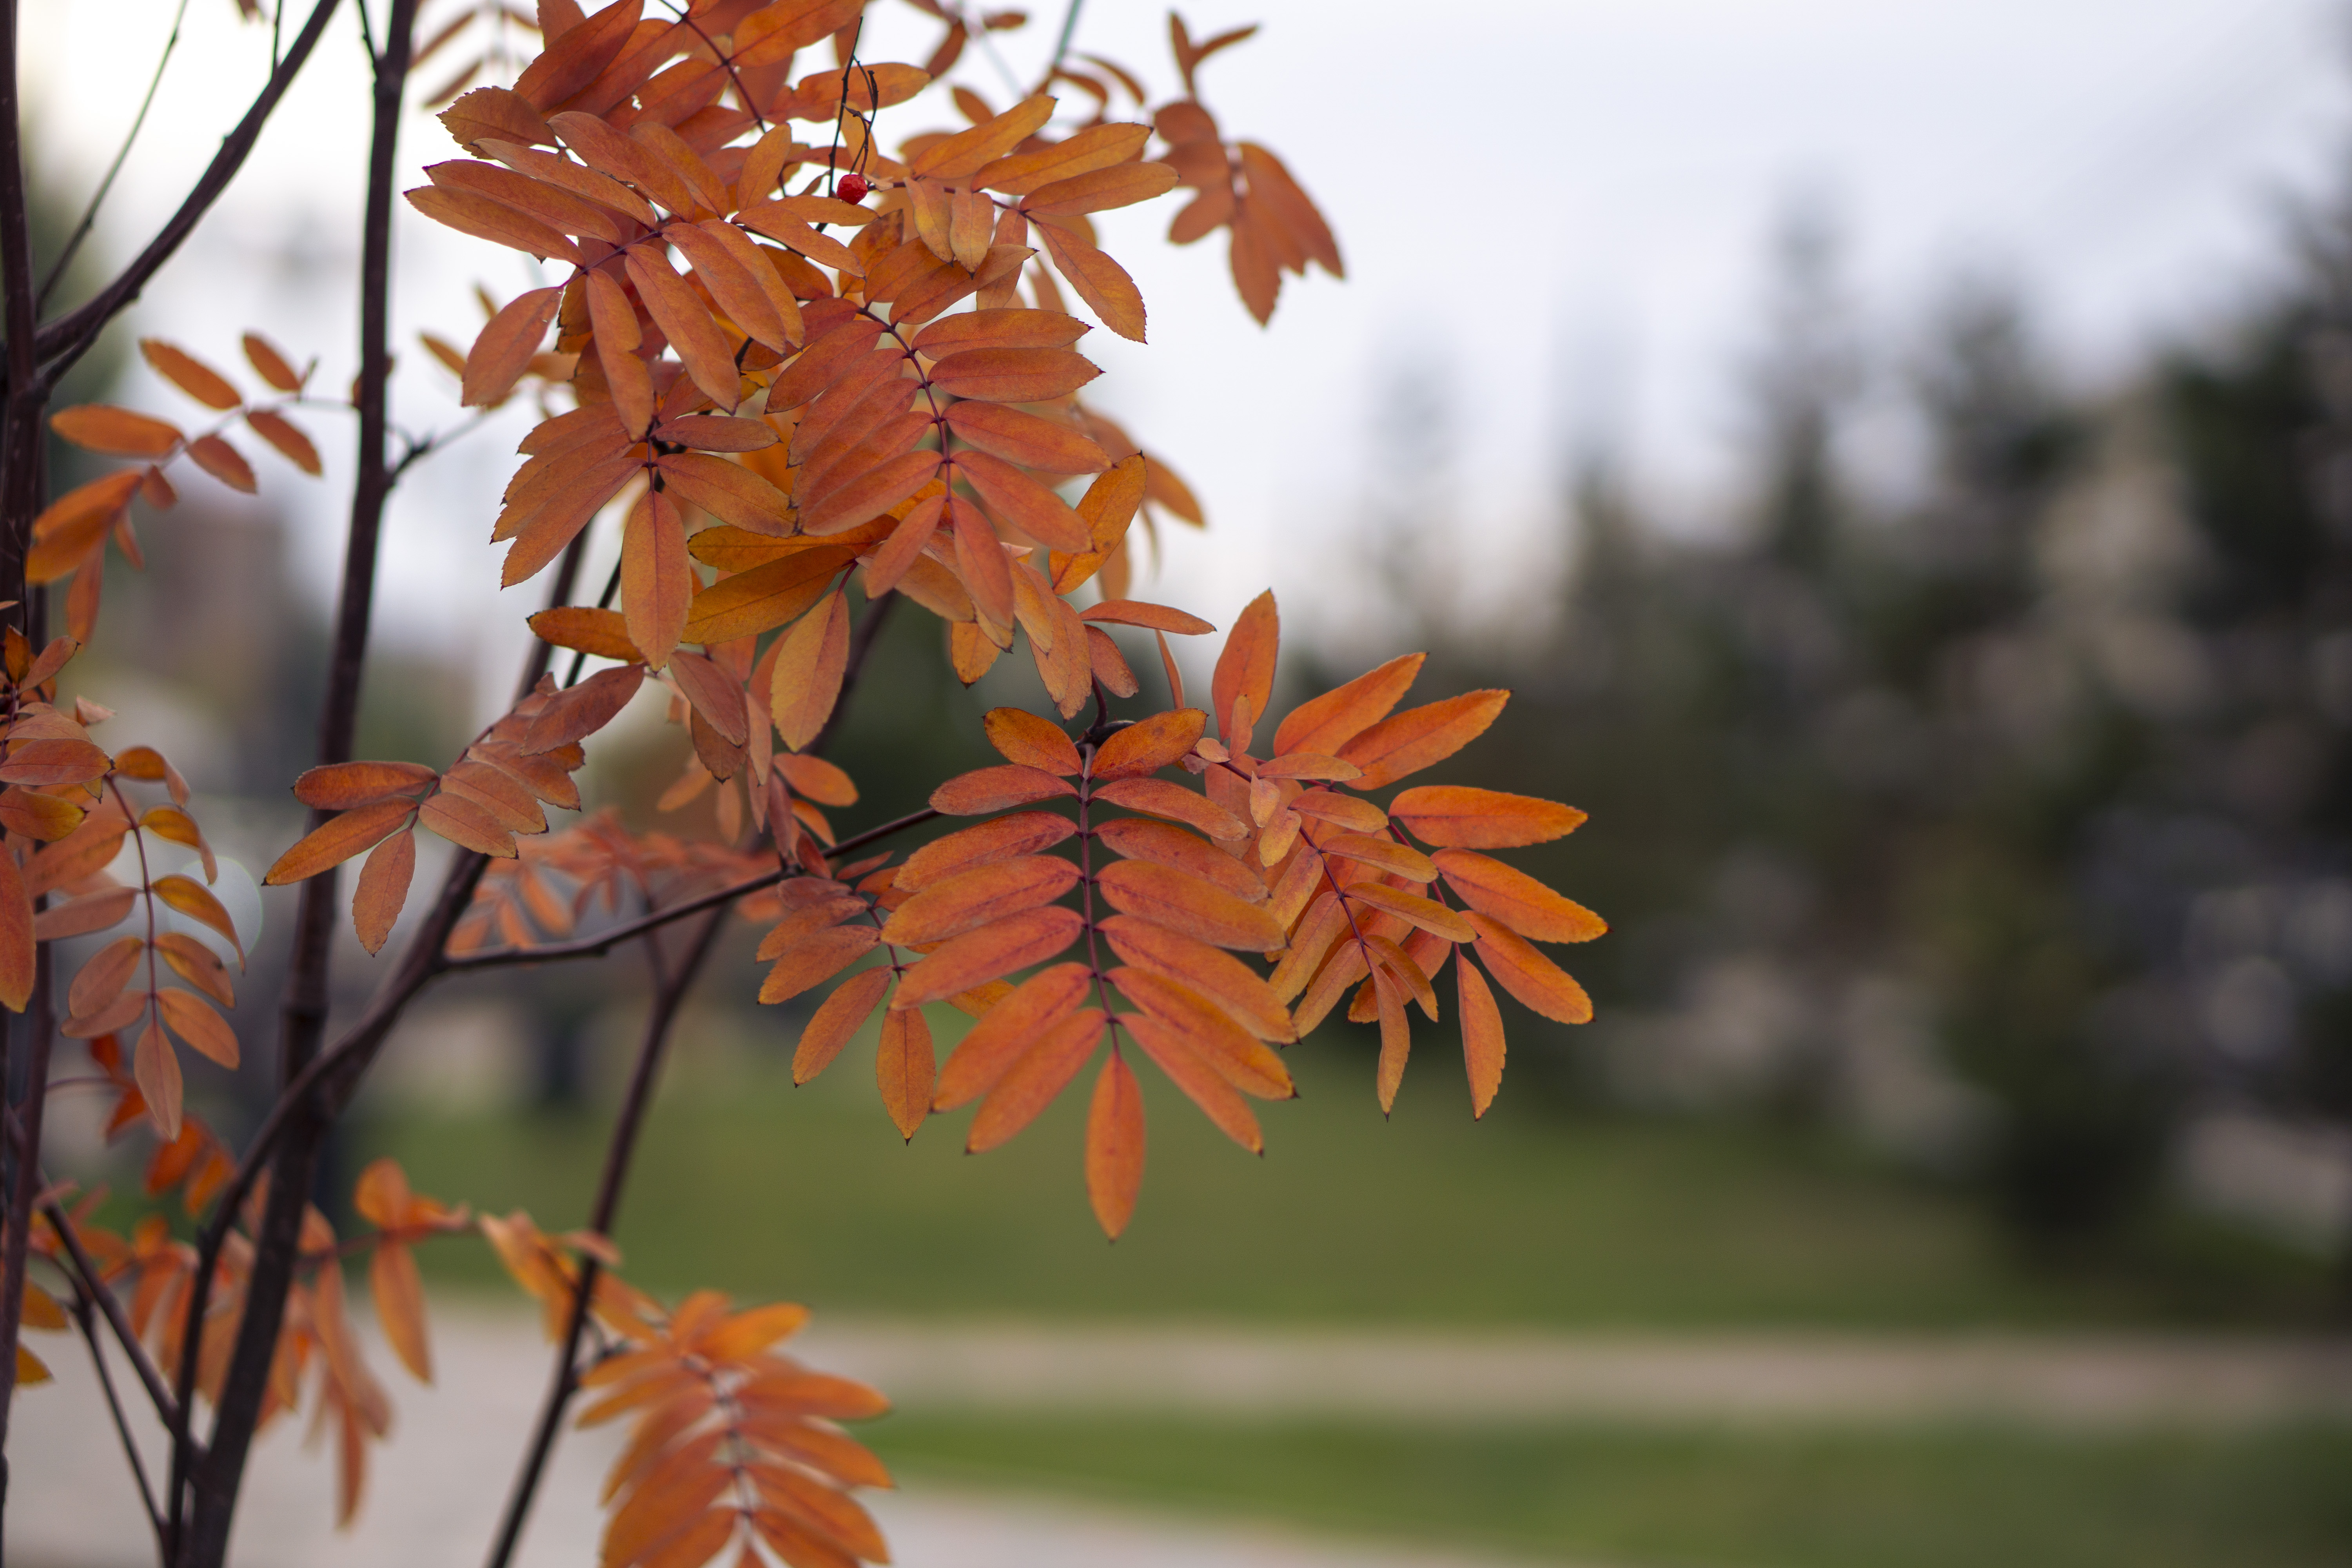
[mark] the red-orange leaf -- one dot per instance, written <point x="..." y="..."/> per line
<point x="16" y="935"/>
<point x="338" y="839"/>
<point x="903" y="1067"/>
<point x="341" y="786"/>
<point x="1032" y="1081"/>
<point x="190" y="374"/>
<point x="1024" y="833"/>
<point x="994" y="789"/>
<point x="1482" y="1035"/>
<point x="1114" y="1146"/>
<point x="1408" y="742"/>
<point x="1158" y="798"/>
<point x="1518" y="900"/>
<point x="1149" y="745"/>
<point x="101" y="427"/>
<point x="838" y="1017"/>
<point x="1471" y="819"/>
<point x="1185" y="903"/>
<point x="1541" y="985"/>
<point x="816" y="960"/>
<point x="1219" y="976"/>
<point x="383" y="889"/>
<point x="979" y="957"/>
<point x="1021" y="736"/>
<point x="1007" y="1030"/>
<point x="1202" y="1084"/>
<point x="1245" y="667"/>
<point x="979" y="896"/>
<point x="1329" y="723"/>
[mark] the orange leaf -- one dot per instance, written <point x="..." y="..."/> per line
<point x="810" y="662"/>
<point x="339" y="786"/>
<point x="763" y="597"/>
<point x="1541" y="985"/>
<point x="338" y="839"/>
<point x="583" y="709"/>
<point x="1100" y="190"/>
<point x="41" y="817"/>
<point x="155" y="1068"/>
<point x="1166" y="844"/>
<point x="815" y="960"/>
<point x="1219" y="976"/>
<point x="1158" y="798"/>
<point x="836" y="1018"/>
<point x="383" y="889"/>
<point x="1481" y="1035"/>
<point x="102" y="980"/>
<point x="1136" y="613"/>
<point x="1326" y="723"/>
<point x="1028" y="505"/>
<point x="286" y="436"/>
<point x="1013" y="329"/>
<point x="1024" y="438"/>
<point x="1245" y="667"/>
<point x="1386" y="854"/>
<point x="1096" y="147"/>
<point x="1034" y="1081"/>
<point x="92" y="911"/>
<point x="992" y="789"/>
<point x="197" y="964"/>
<point x="1411" y="741"/>
<point x="223" y="462"/>
<point x="400" y="1307"/>
<point x="1007" y="1029"/>
<point x="1185" y="903"/>
<point x="188" y="373"/>
<point x="1101" y="282"/>
<point x="502" y="350"/>
<point x="1012" y="376"/>
<point x="191" y="900"/>
<point x="656" y="581"/>
<point x="1147" y="746"/>
<point x="966" y="152"/>
<point x="1396" y="1038"/>
<point x="1207" y="1030"/>
<point x="603" y="633"/>
<point x="260" y="354"/>
<point x="1021" y="833"/>
<point x="469" y="213"/>
<point x="16" y="970"/>
<point x="1020" y="736"/>
<point x="101" y="427"/>
<point x="686" y="321"/>
<point x="903" y="1068"/>
<point x="979" y="896"/>
<point x="1517" y="900"/>
<point x="1114" y="1146"/>
<point x="467" y="824"/>
<point x="979" y="957"/>
<point x="1427" y="913"/>
<point x="1202" y="1084"/>
<point x="1470" y="818"/>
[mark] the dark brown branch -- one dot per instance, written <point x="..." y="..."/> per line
<point x="604" y="942"/>
<point x="114" y="1408"/>
<point x="218" y="1478"/>
<point x="93" y="1284"/>
<point x="121" y="154"/>
<point x="618" y="1153"/>
<point x="66" y="339"/>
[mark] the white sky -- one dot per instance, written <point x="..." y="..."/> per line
<point x="1561" y="204"/>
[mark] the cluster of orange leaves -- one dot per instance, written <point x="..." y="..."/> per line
<point x="796" y="364"/>
<point x="730" y="1441"/>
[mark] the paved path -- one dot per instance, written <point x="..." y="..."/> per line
<point x="437" y="1484"/>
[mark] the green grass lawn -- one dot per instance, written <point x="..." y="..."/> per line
<point x="1937" y="1499"/>
<point x="1532" y="1217"/>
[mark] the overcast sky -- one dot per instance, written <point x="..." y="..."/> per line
<point x="1558" y="209"/>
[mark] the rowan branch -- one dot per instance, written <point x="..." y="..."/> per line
<point x="86" y="1271"/>
<point x="81" y="1312"/>
<point x="618" y="1153"/>
<point x="606" y="941"/>
<point x="98" y="197"/>
<point x="67" y="339"/>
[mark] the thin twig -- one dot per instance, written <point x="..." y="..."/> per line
<point x="596" y="946"/>
<point x="618" y="1153"/>
<point x="86" y="1269"/>
<point x="1062" y="44"/>
<point x="66" y="339"/>
<point x="98" y="197"/>
<point x="114" y="1408"/>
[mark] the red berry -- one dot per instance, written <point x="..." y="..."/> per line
<point x="851" y="188"/>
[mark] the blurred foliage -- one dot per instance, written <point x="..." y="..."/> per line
<point x="2004" y="818"/>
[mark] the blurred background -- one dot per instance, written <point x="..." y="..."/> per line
<point x="1900" y="455"/>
